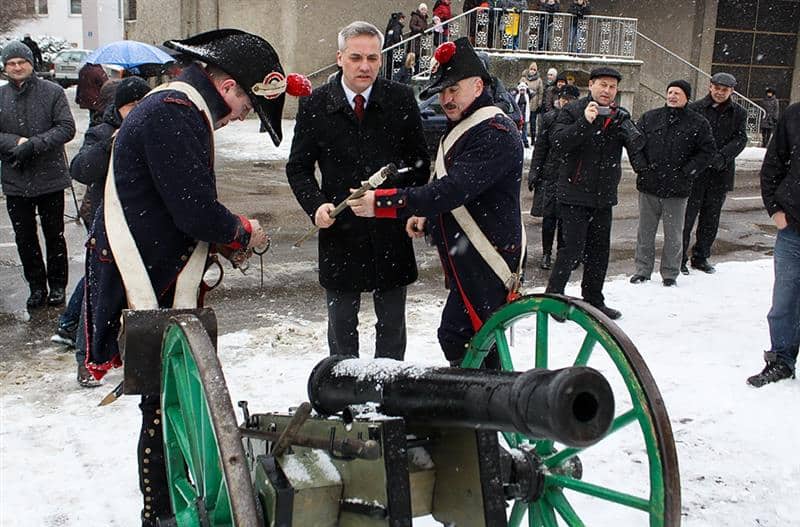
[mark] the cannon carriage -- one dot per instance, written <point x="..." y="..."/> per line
<point x="390" y="441"/>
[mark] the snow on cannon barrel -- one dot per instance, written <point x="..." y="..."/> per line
<point x="574" y="406"/>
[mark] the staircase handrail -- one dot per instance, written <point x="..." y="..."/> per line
<point x="762" y="111"/>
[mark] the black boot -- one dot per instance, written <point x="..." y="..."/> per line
<point x="701" y="264"/>
<point x="56" y="297"/>
<point x="546" y="262"/>
<point x="610" y="312"/>
<point x="684" y="268"/>
<point x="152" y="468"/>
<point x="37" y="299"/>
<point x="774" y="371"/>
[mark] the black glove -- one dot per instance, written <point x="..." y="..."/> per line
<point x="21" y="153"/>
<point x="621" y="115"/>
<point x="631" y="135"/>
<point x="718" y="162"/>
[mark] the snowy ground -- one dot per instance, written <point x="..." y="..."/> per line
<point x="66" y="462"/>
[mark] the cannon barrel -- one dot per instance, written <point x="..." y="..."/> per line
<point x="574" y="406"/>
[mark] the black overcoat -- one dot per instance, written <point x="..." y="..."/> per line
<point x="543" y="174"/>
<point x="592" y="154"/>
<point x="678" y="148"/>
<point x="729" y="126"/>
<point x="358" y="254"/>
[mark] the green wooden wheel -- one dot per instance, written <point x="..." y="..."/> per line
<point x="209" y="479"/>
<point x="640" y="435"/>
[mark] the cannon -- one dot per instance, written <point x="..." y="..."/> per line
<point x="389" y="442"/>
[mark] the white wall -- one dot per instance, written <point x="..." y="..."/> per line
<point x="102" y="22"/>
<point x="58" y="23"/>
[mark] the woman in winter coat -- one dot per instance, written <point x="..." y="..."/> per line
<point x="418" y="24"/>
<point x="394" y="30"/>
<point x="546" y="25"/>
<point x="443" y="10"/>
<point x="522" y="99"/>
<point x="536" y="95"/>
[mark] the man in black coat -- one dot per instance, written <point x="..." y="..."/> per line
<point x="678" y="147"/>
<point x="589" y="134"/>
<point x="728" y="122"/>
<point x="471" y="209"/>
<point x="35" y="124"/>
<point x="38" y="61"/>
<point x="780" y="188"/>
<point x="351" y="127"/>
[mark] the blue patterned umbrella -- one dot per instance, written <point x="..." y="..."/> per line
<point x="128" y="54"/>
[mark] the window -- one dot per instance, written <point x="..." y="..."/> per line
<point x="75" y="7"/>
<point x="130" y="9"/>
<point x="35" y="7"/>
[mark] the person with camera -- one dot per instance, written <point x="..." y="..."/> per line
<point x="589" y="135"/>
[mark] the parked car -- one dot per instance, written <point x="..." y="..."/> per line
<point x="66" y="65"/>
<point x="434" y="123"/>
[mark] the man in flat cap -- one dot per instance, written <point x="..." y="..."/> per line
<point x="471" y="208"/>
<point x="35" y="124"/>
<point x="589" y="135"/>
<point x="150" y="240"/>
<point x="728" y="122"/>
<point x="678" y="147"/>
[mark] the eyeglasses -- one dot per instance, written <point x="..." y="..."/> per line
<point x="15" y="63"/>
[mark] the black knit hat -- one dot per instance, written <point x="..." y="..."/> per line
<point x="129" y="90"/>
<point x="683" y="85"/>
<point x="569" y="92"/>
<point x="17" y="50"/>
<point x="455" y="61"/>
<point x="605" y="71"/>
<point x="253" y="64"/>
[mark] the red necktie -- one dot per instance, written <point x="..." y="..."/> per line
<point x="359" y="108"/>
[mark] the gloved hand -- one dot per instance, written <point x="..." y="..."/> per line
<point x="633" y="138"/>
<point x="718" y="162"/>
<point x="620" y="116"/>
<point x="21" y="153"/>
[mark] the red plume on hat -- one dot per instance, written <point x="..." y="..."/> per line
<point x="298" y="85"/>
<point x="444" y="52"/>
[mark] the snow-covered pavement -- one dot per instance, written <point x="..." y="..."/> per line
<point x="66" y="462"/>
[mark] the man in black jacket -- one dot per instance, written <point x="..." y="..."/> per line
<point x="590" y="133"/>
<point x="728" y="123"/>
<point x="35" y="124"/>
<point x="780" y="188"/>
<point x="678" y="147"/>
<point x="351" y="127"/>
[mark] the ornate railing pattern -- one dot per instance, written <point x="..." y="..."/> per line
<point x="537" y="32"/>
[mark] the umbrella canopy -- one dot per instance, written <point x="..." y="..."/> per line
<point x="128" y="54"/>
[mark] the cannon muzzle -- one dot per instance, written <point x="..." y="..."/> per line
<point x="574" y="406"/>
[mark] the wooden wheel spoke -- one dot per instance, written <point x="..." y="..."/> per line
<point x="562" y="506"/>
<point x="598" y="491"/>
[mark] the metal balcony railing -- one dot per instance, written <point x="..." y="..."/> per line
<point x="500" y="30"/>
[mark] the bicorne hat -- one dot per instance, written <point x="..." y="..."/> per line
<point x="454" y="61"/>
<point x="253" y="64"/>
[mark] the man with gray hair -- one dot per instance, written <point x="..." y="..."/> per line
<point x="350" y="128"/>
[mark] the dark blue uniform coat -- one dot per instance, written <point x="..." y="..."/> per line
<point x="484" y="172"/>
<point x="163" y="161"/>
